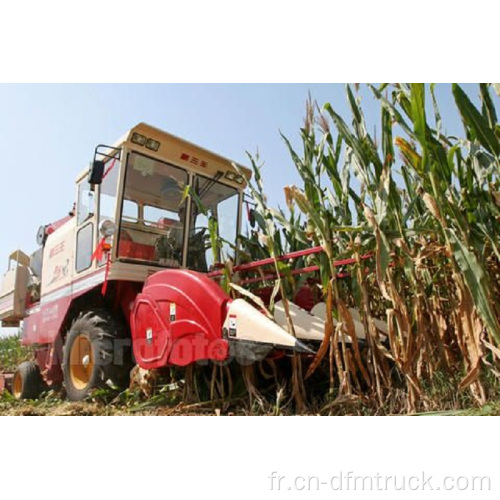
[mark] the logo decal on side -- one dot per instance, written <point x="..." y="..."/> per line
<point x="60" y="272"/>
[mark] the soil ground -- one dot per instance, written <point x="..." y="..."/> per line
<point x="51" y="405"/>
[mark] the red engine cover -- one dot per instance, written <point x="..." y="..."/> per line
<point x="178" y="319"/>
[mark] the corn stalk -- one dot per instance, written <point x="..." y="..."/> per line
<point x="427" y="208"/>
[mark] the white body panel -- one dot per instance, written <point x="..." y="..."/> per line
<point x="320" y="311"/>
<point x="244" y="322"/>
<point x="59" y="258"/>
<point x="379" y="325"/>
<point x="306" y="326"/>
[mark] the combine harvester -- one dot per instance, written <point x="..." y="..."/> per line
<point x="129" y="276"/>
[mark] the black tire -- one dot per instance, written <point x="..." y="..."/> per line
<point x="96" y="354"/>
<point x="27" y="382"/>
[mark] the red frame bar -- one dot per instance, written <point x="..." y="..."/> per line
<point x="293" y="255"/>
<point x="270" y="260"/>
<point x="302" y="270"/>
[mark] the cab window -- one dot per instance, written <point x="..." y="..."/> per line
<point x="85" y="232"/>
<point x="152" y="221"/>
<point x="215" y="210"/>
<point x="85" y="209"/>
<point x="84" y="245"/>
<point x="108" y="190"/>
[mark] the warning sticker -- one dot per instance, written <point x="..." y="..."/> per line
<point x="173" y="310"/>
<point x="232" y="326"/>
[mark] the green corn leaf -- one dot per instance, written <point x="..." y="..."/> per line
<point x="307" y="209"/>
<point x="393" y="111"/>
<point x="474" y="120"/>
<point x="437" y="114"/>
<point x="348" y="136"/>
<point x="213" y="230"/>
<point x="357" y="113"/>
<point x="488" y="107"/>
<point x="387" y="139"/>
<point x="418" y="111"/>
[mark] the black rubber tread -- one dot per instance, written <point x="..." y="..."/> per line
<point x="32" y="383"/>
<point x="112" y="360"/>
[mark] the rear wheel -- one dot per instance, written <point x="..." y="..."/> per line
<point x="27" y="382"/>
<point x="96" y="354"/>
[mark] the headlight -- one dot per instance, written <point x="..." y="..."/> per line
<point x="153" y="145"/>
<point x="139" y="139"/>
<point x="234" y="177"/>
<point x="107" y="228"/>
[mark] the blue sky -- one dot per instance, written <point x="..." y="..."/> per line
<point x="48" y="134"/>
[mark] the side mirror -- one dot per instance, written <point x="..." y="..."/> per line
<point x="96" y="173"/>
<point x="41" y="236"/>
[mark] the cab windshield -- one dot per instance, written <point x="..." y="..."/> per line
<point x="154" y="216"/>
<point x="214" y="209"/>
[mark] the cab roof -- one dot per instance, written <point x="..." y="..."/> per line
<point x="177" y="151"/>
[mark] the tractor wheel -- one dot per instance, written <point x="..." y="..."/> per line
<point x="27" y="382"/>
<point x="92" y="357"/>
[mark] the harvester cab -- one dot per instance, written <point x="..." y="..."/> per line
<point x="135" y="264"/>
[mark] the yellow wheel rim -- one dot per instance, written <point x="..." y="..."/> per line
<point x="17" y="385"/>
<point x="81" y="362"/>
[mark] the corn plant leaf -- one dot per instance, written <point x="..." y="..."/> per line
<point x="382" y="254"/>
<point x="476" y="121"/>
<point x="395" y="114"/>
<point x="215" y="242"/>
<point x="418" y="111"/>
<point x="348" y="322"/>
<point x="488" y="107"/>
<point x="476" y="280"/>
<point x="411" y="157"/>
<point x="308" y="209"/>
<point x="189" y="191"/>
<point x="347" y="135"/>
<point x="437" y="114"/>
<point x="356" y="111"/>
<point x="387" y="140"/>
<point x="329" y="327"/>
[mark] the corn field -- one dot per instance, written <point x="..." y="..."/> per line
<point x="12" y="353"/>
<point x="425" y="208"/>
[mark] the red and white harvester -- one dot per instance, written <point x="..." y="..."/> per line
<point x="129" y="276"/>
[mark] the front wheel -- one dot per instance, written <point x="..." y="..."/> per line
<point x="95" y="354"/>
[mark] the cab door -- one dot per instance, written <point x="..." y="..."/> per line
<point x="85" y="229"/>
